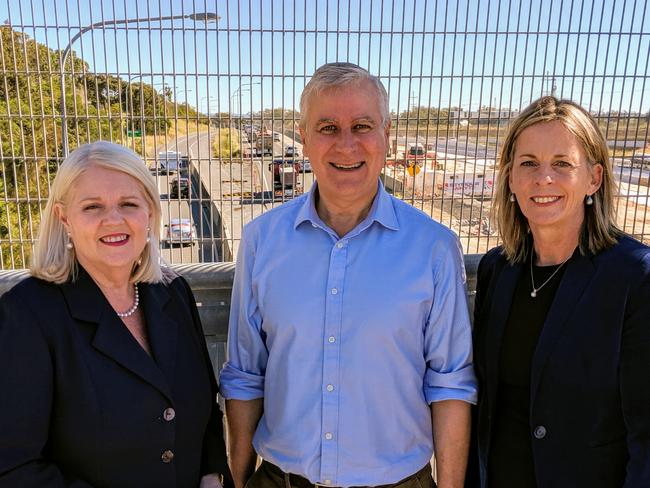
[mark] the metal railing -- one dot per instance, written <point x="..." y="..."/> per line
<point x="220" y="82"/>
<point x="211" y="285"/>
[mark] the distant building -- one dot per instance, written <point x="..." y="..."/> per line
<point x="483" y="115"/>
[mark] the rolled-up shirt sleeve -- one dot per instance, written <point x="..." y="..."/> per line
<point x="242" y="377"/>
<point x="448" y="333"/>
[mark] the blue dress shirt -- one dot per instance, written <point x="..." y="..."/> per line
<point x="348" y="340"/>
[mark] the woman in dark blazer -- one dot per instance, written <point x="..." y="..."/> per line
<point x="562" y="318"/>
<point x="106" y="378"/>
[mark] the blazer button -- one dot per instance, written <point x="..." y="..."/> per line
<point x="169" y="414"/>
<point x="539" y="432"/>
<point x="167" y="456"/>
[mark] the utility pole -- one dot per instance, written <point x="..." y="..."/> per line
<point x="553" y="86"/>
<point x="412" y="99"/>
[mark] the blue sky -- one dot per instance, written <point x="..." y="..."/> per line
<point x="430" y="53"/>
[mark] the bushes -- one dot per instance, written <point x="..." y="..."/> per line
<point x="226" y="143"/>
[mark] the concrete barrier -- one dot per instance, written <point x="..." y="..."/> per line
<point x="211" y="284"/>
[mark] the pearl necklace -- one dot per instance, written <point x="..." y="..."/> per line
<point x="532" y="280"/>
<point x="134" y="307"/>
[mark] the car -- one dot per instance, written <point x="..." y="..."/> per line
<point x="277" y="137"/>
<point x="306" y="166"/>
<point x="291" y="152"/>
<point x="180" y="184"/>
<point x="183" y="163"/>
<point x="180" y="231"/>
<point x="641" y="159"/>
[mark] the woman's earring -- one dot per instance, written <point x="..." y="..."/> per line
<point x="69" y="244"/>
<point x="148" y="236"/>
<point x="589" y="200"/>
<point x="512" y="198"/>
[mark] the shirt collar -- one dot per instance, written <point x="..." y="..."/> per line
<point x="381" y="211"/>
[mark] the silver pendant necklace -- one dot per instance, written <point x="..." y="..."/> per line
<point x="532" y="279"/>
<point x="134" y="307"/>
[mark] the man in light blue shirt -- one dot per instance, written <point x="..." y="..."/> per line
<point x="349" y="350"/>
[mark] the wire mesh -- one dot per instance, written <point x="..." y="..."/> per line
<point x="218" y="83"/>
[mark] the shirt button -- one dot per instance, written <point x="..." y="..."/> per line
<point x="331" y="339"/>
<point x="330" y="387"/>
<point x="328" y="436"/>
<point x="339" y="245"/>
<point x="539" y="432"/>
<point x="314" y="225"/>
<point x="334" y="291"/>
<point x="167" y="456"/>
<point x="328" y="482"/>
<point x="169" y="414"/>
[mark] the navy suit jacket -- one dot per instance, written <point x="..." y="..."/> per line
<point x="83" y="404"/>
<point x="590" y="378"/>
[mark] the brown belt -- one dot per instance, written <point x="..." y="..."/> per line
<point x="297" y="481"/>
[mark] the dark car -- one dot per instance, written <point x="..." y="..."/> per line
<point x="291" y="152"/>
<point x="180" y="184"/>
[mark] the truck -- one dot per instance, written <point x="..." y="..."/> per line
<point x="167" y="162"/>
<point x="264" y="144"/>
<point x="418" y="154"/>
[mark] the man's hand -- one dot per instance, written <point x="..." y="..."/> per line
<point x="451" y="432"/>
<point x="243" y="417"/>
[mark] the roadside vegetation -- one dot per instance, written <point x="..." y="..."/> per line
<point x="98" y="106"/>
<point x="225" y="144"/>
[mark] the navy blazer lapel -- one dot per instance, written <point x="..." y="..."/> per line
<point x="579" y="273"/>
<point x="163" y="328"/>
<point x="87" y="303"/>
<point x="503" y="289"/>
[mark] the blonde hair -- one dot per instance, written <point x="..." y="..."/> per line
<point x="338" y="75"/>
<point x="51" y="260"/>
<point x="599" y="229"/>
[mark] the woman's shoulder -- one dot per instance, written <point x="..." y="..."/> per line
<point x="31" y="289"/>
<point x="174" y="285"/>
<point x="492" y="258"/>
<point x="628" y="254"/>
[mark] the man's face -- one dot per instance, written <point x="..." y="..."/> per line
<point x="346" y="142"/>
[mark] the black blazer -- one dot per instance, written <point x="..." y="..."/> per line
<point x="590" y="379"/>
<point x="84" y="405"/>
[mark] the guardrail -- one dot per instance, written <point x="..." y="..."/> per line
<point x="211" y="284"/>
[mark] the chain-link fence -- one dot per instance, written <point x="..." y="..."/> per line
<point x="208" y="93"/>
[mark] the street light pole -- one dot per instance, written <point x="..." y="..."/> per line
<point x="239" y="91"/>
<point x="199" y="17"/>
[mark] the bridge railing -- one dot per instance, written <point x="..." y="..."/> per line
<point x="211" y="284"/>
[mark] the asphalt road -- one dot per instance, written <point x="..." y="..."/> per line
<point x="197" y="208"/>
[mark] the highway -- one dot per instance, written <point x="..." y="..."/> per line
<point x="197" y="208"/>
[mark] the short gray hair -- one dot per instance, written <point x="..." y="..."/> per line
<point x="337" y="75"/>
<point x="51" y="260"/>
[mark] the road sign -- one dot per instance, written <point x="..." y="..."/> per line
<point x="134" y="133"/>
<point x="413" y="169"/>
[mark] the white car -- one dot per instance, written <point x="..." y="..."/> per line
<point x="180" y="231"/>
<point x="168" y="162"/>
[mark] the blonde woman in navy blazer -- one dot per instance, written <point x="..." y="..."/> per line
<point x="562" y="318"/>
<point x="106" y="380"/>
